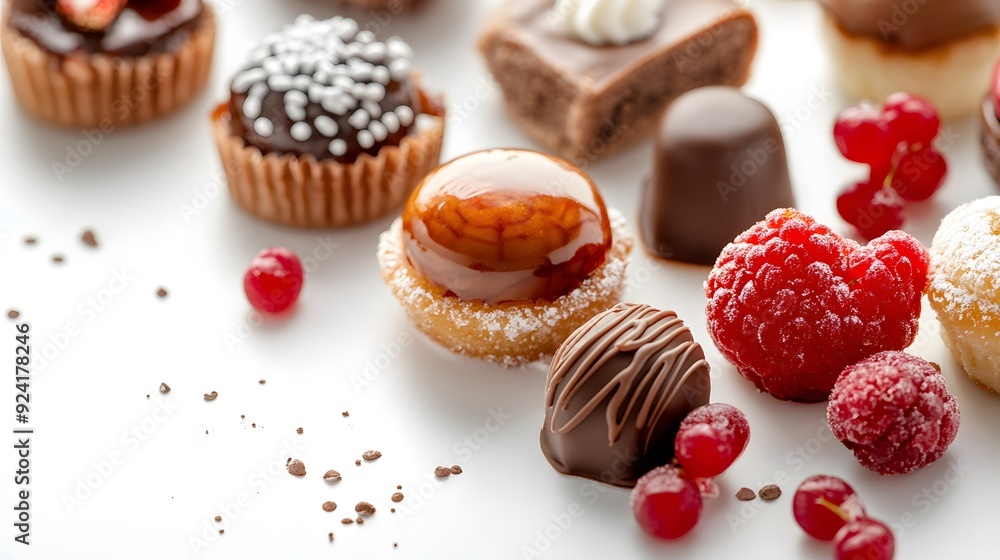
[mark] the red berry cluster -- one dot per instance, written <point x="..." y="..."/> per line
<point x="896" y="143"/>
<point x="827" y="508"/>
<point x="273" y="280"/>
<point x="667" y="500"/>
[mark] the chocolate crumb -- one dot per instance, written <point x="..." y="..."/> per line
<point x="331" y="475"/>
<point x="296" y="468"/>
<point x="360" y="520"/>
<point x="399" y="487"/>
<point x="298" y="431"/>
<point x="13" y="314"/>
<point x="262" y="381"/>
<point x="370" y="455"/>
<point x="347" y="521"/>
<point x="243" y="416"/>
<point x="211" y="396"/>
<point x="442" y="472"/>
<point x="222" y="531"/>
<point x="58" y="259"/>
<point x="330" y="536"/>
<point x="357" y="463"/>
<point x="364" y="508"/>
<point x="397" y="497"/>
<point x="89" y="239"/>
<point x="393" y="510"/>
<point x="455" y="469"/>
<point x="164" y="388"/>
<point x="30" y="240"/>
<point x="745" y="495"/>
<point x="161" y="293"/>
<point x="329" y="506"/>
<point x="218" y="518"/>
<point x="769" y="492"/>
<point x="253" y="425"/>
<point x="395" y="545"/>
<point x="345" y="414"/>
<point x="147" y="395"/>
<point x="936" y="366"/>
<point x="206" y="431"/>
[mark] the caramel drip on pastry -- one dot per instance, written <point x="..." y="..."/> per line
<point x="662" y="361"/>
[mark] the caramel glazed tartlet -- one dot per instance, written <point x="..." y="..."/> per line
<point x="326" y="126"/>
<point x="501" y="254"/>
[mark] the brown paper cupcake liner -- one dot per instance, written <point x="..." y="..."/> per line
<point x="302" y="191"/>
<point x="98" y="90"/>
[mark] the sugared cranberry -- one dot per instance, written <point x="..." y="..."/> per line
<point x="871" y="209"/>
<point x="823" y="504"/>
<point x="862" y="134"/>
<point x="273" y="280"/>
<point x="911" y="119"/>
<point x="865" y="539"/>
<point x="710" y="439"/>
<point x="666" y="503"/>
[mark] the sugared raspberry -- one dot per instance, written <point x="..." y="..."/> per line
<point x="792" y="303"/>
<point x="894" y="411"/>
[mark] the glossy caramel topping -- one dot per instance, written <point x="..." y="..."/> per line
<point x="917" y="24"/>
<point x="506" y="225"/>
<point x="143" y="27"/>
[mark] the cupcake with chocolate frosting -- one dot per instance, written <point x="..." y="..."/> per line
<point x="326" y="126"/>
<point x="106" y="63"/>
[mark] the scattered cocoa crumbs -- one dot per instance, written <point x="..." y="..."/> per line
<point x="399" y="487"/>
<point x="30" y="240"/>
<point x="347" y="521"/>
<point x="164" y="388"/>
<point x="218" y="518"/>
<point x="295" y="467"/>
<point x="330" y="537"/>
<point x="395" y="545"/>
<point x="253" y="425"/>
<point x="345" y="414"/>
<point x="397" y="497"/>
<point x="357" y="463"/>
<point x="211" y="396"/>
<point x="442" y="472"/>
<point x="262" y="381"/>
<point x="359" y="520"/>
<point x="206" y="431"/>
<point x="222" y="531"/>
<point x="769" y="492"/>
<point x="89" y="239"/>
<point x="13" y="314"/>
<point x="298" y="430"/>
<point x="370" y="455"/>
<point x="161" y="293"/>
<point x="329" y="506"/>
<point x="331" y="475"/>
<point x="745" y="495"/>
<point x="58" y="259"/>
<point x="147" y="395"/>
<point x="243" y="416"/>
<point x="455" y="469"/>
<point x="364" y="508"/>
<point x="393" y="510"/>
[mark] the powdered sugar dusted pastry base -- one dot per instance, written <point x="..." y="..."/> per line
<point x="510" y="334"/>
<point x="965" y="259"/>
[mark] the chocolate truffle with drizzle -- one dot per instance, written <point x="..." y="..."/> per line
<point x="617" y="391"/>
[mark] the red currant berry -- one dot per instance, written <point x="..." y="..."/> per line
<point x="710" y="439"/>
<point x="273" y="280"/>
<point x="871" y="209"/>
<point x="919" y="174"/>
<point x="821" y="503"/>
<point x="666" y="503"/>
<point x="865" y="539"/>
<point x="862" y="135"/>
<point x="911" y="119"/>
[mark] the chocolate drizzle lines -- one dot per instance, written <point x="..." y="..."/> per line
<point x="664" y="358"/>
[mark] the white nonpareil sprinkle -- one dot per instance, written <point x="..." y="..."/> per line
<point x="326" y="126"/>
<point x="263" y="127"/>
<point x="301" y="131"/>
<point x="338" y="147"/>
<point x="331" y="63"/>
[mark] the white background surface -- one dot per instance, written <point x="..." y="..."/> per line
<point x="423" y="406"/>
